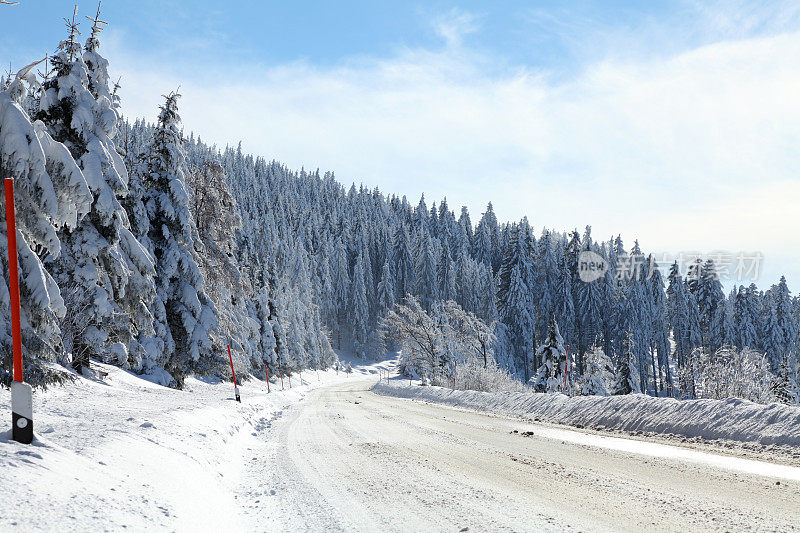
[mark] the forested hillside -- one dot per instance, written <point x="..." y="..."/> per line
<point x="142" y="246"/>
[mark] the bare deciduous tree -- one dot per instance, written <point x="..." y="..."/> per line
<point x="433" y="343"/>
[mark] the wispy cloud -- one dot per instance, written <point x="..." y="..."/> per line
<point x="454" y="25"/>
<point x="743" y="18"/>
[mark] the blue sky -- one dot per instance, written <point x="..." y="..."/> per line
<point x="554" y="35"/>
<point x="676" y="122"/>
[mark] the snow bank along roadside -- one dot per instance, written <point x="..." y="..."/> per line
<point x="732" y="419"/>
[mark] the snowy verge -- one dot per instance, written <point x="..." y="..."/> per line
<point x="732" y="419"/>
<point x="123" y="452"/>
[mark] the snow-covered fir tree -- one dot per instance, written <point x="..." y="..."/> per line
<point x="746" y="318"/>
<point x="107" y="273"/>
<point x="185" y="316"/>
<point x="359" y="311"/>
<point x="784" y="384"/>
<point x="550" y="377"/>
<point x="43" y="205"/>
<point x="626" y="374"/>
<point x="515" y="298"/>
<point x="589" y="306"/>
<point x="386" y="297"/>
<point x="598" y="378"/>
<point x="709" y="297"/>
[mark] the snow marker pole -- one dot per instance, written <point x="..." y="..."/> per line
<point x="565" y="369"/>
<point x="281" y="379"/>
<point x="21" y="393"/>
<point x="235" y="387"/>
<point x="410" y="377"/>
<point x="290" y="380"/>
<point x="387" y="376"/>
<point x="266" y="372"/>
<point x="455" y="371"/>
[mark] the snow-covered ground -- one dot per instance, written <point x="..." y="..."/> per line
<point x="124" y="452"/>
<point x="330" y="454"/>
<point x="773" y="425"/>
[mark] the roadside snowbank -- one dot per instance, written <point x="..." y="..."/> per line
<point x="733" y="419"/>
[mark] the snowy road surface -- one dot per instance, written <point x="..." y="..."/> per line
<point x="330" y="455"/>
<point x="350" y="459"/>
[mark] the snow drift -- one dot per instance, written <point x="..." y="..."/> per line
<point x="732" y="419"/>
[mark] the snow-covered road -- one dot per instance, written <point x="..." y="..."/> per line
<point x="331" y="455"/>
<point x="349" y="459"/>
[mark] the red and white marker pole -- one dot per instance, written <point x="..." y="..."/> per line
<point x="455" y="371"/>
<point x="266" y="373"/>
<point x="235" y="386"/>
<point x="21" y="393"/>
<point x="566" y="363"/>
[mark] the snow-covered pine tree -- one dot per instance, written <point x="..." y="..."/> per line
<point x="723" y="327"/>
<point x="694" y="335"/>
<point x="274" y="319"/>
<point x="185" y="316"/>
<point x="465" y="272"/>
<point x="678" y="314"/>
<point x="589" y="308"/>
<point x="599" y="373"/>
<point x="486" y="240"/>
<point x="43" y="204"/>
<point x="403" y="263"/>
<point x="299" y="314"/>
<point x="426" y="270"/>
<point x="784" y="385"/>
<point x="341" y="289"/>
<point x="446" y="273"/>
<point x="626" y="375"/>
<point x="359" y="311"/>
<point x="553" y="356"/>
<point x="746" y="319"/>
<point x="218" y="223"/>
<point x="323" y="283"/>
<point x="465" y="222"/>
<point x="694" y="273"/>
<point x="486" y="293"/>
<point x="265" y="342"/>
<point x="660" y="327"/>
<point x="107" y="274"/>
<point x="386" y="297"/>
<point x="709" y="296"/>
<point x="545" y="284"/>
<point x="610" y="299"/>
<point x="565" y="304"/>
<point x="781" y="327"/>
<point x="514" y="297"/>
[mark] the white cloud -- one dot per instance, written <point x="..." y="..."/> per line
<point x="454" y="25"/>
<point x="697" y="151"/>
